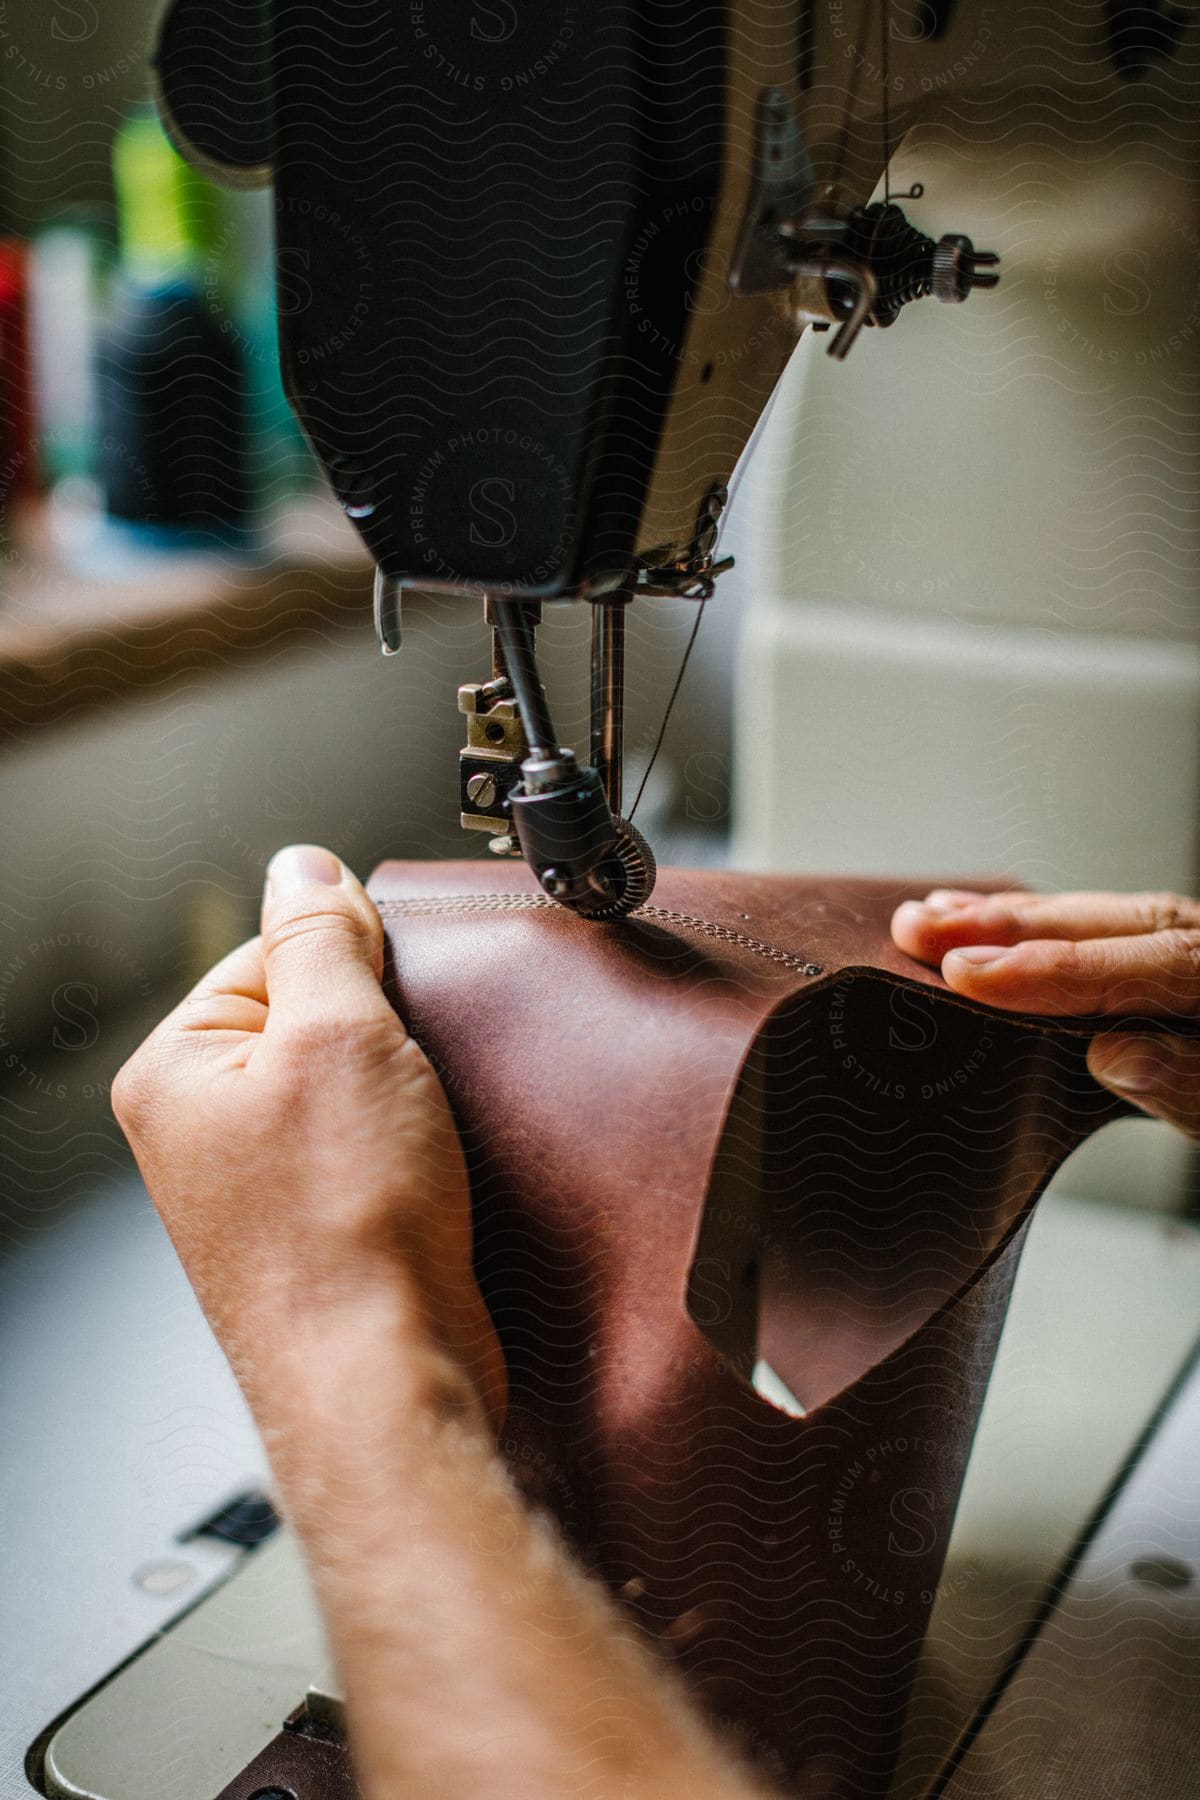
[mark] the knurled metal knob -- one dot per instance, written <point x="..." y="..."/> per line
<point x="953" y="264"/>
<point x="955" y="268"/>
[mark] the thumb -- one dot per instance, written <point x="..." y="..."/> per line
<point x="1161" y="1074"/>
<point x="322" y="940"/>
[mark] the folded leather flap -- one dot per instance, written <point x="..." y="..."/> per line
<point x="740" y="1128"/>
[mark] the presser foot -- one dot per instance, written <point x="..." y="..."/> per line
<point x="583" y="857"/>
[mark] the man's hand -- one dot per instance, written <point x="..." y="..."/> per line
<point x="300" y="1148"/>
<point x="303" y="1156"/>
<point x="1074" y="955"/>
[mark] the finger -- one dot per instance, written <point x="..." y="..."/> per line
<point x="223" y="1012"/>
<point x="1159" y="1074"/>
<point x="241" y="972"/>
<point x="950" y="917"/>
<point x="322" y="941"/>
<point x="231" y="997"/>
<point x="1158" y="975"/>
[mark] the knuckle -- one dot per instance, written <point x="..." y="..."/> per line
<point x="340" y="1038"/>
<point x="1167" y="912"/>
<point x="416" y="1072"/>
<point x="148" y="1088"/>
<point x="131" y="1091"/>
<point x="1182" y="945"/>
<point x="1022" y="914"/>
<point x="1061" y="958"/>
<point x="316" y="1037"/>
<point x="124" y="1094"/>
<point x="322" y="924"/>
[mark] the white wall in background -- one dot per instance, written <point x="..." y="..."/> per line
<point x="969" y="560"/>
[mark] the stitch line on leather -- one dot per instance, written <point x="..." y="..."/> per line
<point x="726" y="935"/>
<point x="425" y="905"/>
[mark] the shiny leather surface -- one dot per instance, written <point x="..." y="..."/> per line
<point x="740" y="1124"/>
<point x="295" y="1766"/>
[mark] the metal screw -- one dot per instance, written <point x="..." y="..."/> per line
<point x="482" y="790"/>
<point x="556" y="885"/>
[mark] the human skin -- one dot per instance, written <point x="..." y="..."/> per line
<point x="303" y="1157"/>
<point x="1113" y="955"/>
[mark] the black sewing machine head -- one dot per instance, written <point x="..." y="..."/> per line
<point x="538" y="272"/>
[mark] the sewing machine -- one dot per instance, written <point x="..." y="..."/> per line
<point x="534" y="301"/>
<point x="536" y="288"/>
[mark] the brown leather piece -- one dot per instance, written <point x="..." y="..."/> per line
<point x="742" y="1097"/>
<point x="295" y="1766"/>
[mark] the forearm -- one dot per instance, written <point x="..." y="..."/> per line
<point x="476" y="1658"/>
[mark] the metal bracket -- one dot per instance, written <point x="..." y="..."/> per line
<point x="693" y="575"/>
<point x="782" y="191"/>
<point x="489" y="765"/>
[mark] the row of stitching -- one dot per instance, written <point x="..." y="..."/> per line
<point x="492" y="903"/>
<point x="725" y="934"/>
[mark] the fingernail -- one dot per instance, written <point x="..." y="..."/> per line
<point x="303" y="865"/>
<point x="1135" y="1065"/>
<point x="947" y="900"/>
<point x="980" y="956"/>
<point x="915" y="911"/>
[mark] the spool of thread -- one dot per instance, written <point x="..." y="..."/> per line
<point x="173" y="438"/>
